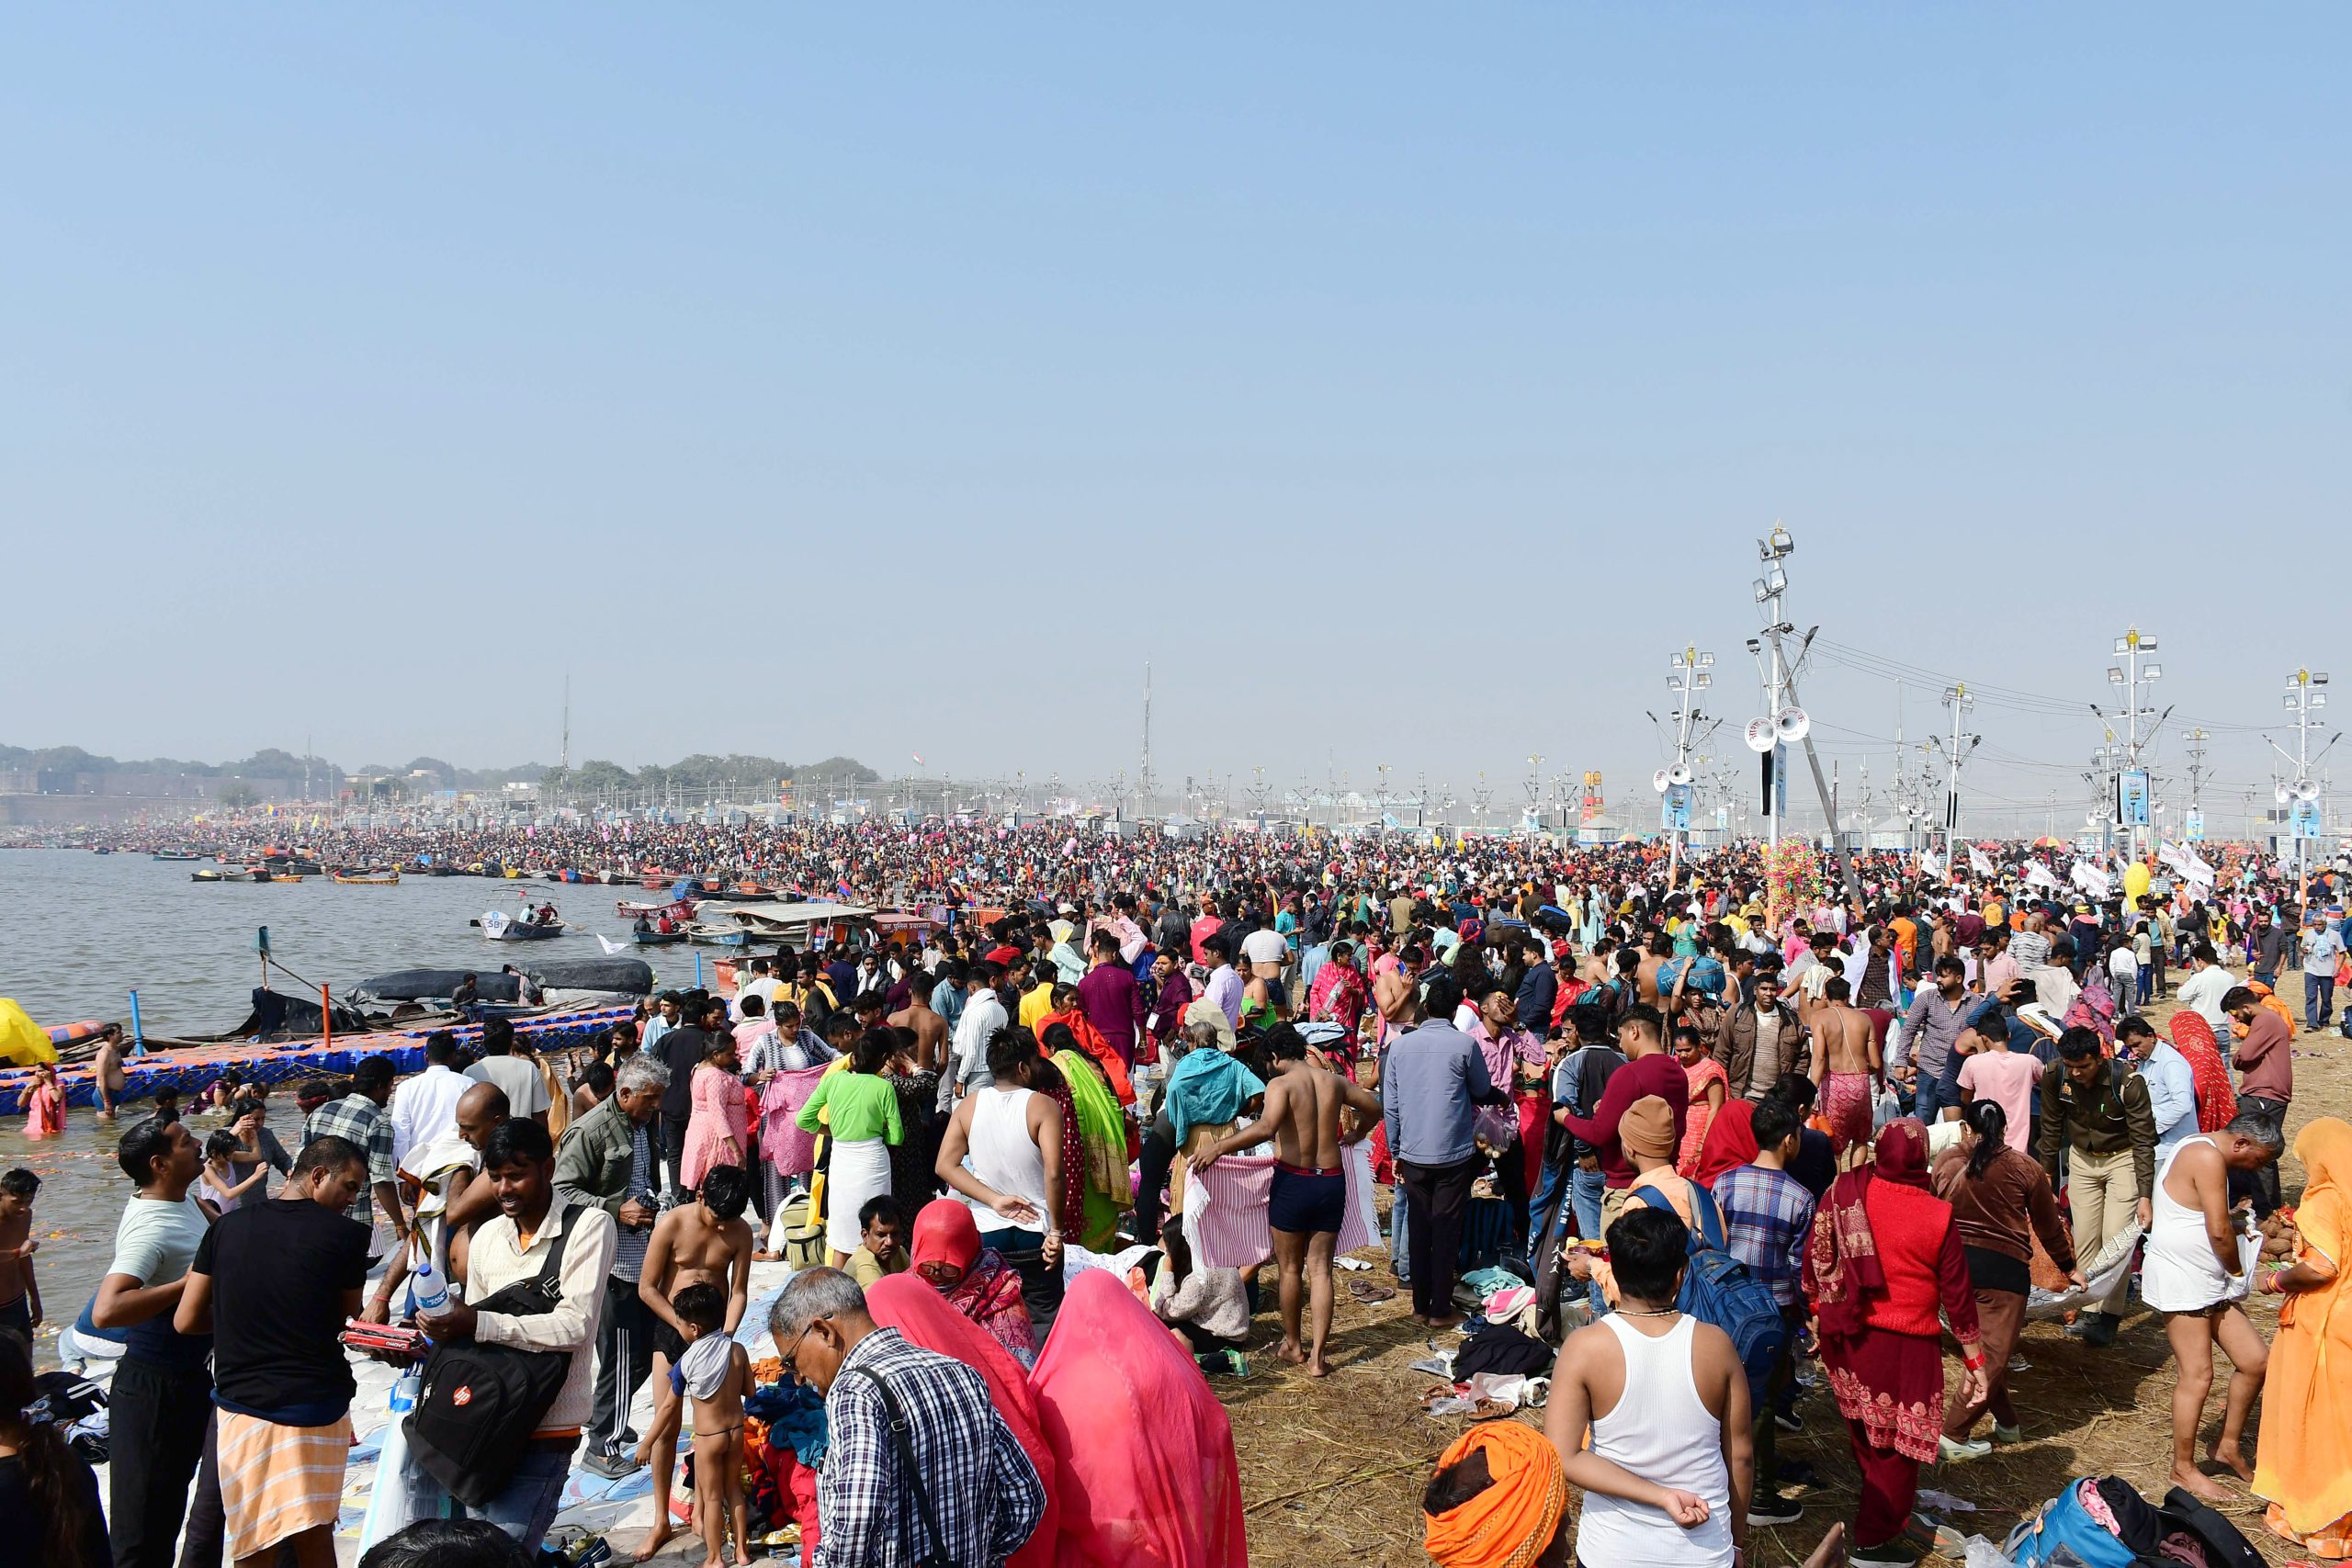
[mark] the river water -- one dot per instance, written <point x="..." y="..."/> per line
<point x="88" y="928"/>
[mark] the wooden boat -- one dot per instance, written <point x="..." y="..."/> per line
<point x="369" y="879"/>
<point x="719" y="936"/>
<point x="208" y="875"/>
<point x="175" y="854"/>
<point x="659" y="938"/>
<point x="280" y="877"/>
<point x="500" y="926"/>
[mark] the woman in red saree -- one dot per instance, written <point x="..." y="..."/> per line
<point x="905" y="1303"/>
<point x="1144" y="1469"/>
<point x="973" y="1280"/>
<point x="1884" y="1256"/>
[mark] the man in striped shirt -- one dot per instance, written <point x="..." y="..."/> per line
<point x="1766" y="1214"/>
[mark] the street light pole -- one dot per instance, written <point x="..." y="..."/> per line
<point x="1692" y="672"/>
<point x="2132" y="645"/>
<point x="2304" y="697"/>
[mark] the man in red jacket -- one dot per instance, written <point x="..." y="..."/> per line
<point x="1648" y="1069"/>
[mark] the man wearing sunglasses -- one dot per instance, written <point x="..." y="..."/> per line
<point x="973" y="1497"/>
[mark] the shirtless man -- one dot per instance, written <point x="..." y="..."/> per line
<point x="19" y="1292"/>
<point x="1654" y="958"/>
<point x="1846" y="1069"/>
<point x="1396" y="996"/>
<point x="931" y="1030"/>
<point x="2193" y="1276"/>
<point x="108" y="1076"/>
<point x="1310" y="1190"/>
<point x="704" y="1241"/>
<point x="465" y="1202"/>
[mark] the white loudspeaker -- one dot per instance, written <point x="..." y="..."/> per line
<point x="1794" y="724"/>
<point x="1761" y="737"/>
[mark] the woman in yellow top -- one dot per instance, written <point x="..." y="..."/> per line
<point x="2305" y="1465"/>
<point x="860" y="1110"/>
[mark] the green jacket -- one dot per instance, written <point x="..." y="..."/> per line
<point x="593" y="1157"/>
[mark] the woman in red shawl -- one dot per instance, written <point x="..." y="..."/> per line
<point x="1730" y="1142"/>
<point x="2217" y="1102"/>
<point x="1144" y="1468"/>
<point x="1883" y="1256"/>
<point x="902" y="1301"/>
<point x="975" y="1281"/>
<point x="1337" y="995"/>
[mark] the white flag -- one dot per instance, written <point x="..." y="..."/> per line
<point x="613" y="949"/>
<point x="1980" y="861"/>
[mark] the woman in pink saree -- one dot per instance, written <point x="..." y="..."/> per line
<point x="1144" y="1469"/>
<point x="915" y="1310"/>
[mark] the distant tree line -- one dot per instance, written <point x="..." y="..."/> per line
<point x="700" y="771"/>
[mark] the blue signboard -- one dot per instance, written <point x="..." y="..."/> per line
<point x="2132" y="792"/>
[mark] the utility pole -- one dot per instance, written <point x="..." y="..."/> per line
<point x="1691" y="672"/>
<point x="2192" y="824"/>
<point x="1956" y="698"/>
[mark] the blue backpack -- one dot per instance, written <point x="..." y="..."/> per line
<point x="2063" y="1525"/>
<point x="1718" y="1289"/>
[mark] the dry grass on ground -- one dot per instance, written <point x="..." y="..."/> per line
<point x="1332" y="1470"/>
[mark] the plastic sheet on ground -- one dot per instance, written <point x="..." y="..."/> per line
<point x="2106" y="1273"/>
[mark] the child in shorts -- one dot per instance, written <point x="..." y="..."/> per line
<point x="714" y="1373"/>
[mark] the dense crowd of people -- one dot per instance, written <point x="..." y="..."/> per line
<point x="1757" y="1133"/>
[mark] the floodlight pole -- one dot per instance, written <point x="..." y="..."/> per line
<point x="1782" y="694"/>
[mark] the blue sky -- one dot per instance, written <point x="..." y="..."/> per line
<point x="1404" y="384"/>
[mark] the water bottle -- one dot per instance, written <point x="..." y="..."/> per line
<point x="428" y="1294"/>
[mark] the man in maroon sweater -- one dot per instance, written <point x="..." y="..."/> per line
<point x="1108" y="996"/>
<point x="2266" y="1061"/>
<point x="1648" y="1069"/>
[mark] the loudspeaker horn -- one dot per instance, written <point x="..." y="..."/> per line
<point x="1678" y="774"/>
<point x="1658" y="781"/>
<point x="1759" y="734"/>
<point x="1794" y="724"/>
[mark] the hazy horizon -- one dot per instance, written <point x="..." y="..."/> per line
<point x="1403" y="387"/>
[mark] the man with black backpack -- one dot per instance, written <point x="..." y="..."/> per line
<point x="509" y="1384"/>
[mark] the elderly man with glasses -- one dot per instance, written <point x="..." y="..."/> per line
<point x="971" y="1498"/>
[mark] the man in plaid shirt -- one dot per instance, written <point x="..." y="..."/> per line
<point x="1767" y="1216"/>
<point x="359" y="1117"/>
<point x="985" y="1497"/>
